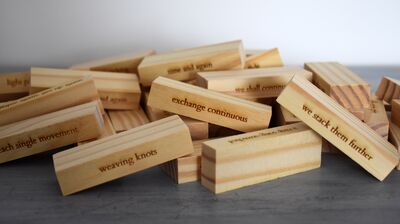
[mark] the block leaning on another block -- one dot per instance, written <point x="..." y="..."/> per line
<point x="255" y="157"/>
<point x="250" y="83"/>
<point x="264" y="59"/>
<point x="394" y="137"/>
<point x="116" y="90"/>
<point x="343" y="85"/>
<point x="59" y="97"/>
<point x="207" y="105"/>
<point x="183" y="64"/>
<point x="14" y="85"/>
<point x="341" y="128"/>
<point x="124" y="63"/>
<point x="122" y="154"/>
<point x="376" y="117"/>
<point x="50" y="131"/>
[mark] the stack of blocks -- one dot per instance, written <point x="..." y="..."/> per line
<point x="217" y="114"/>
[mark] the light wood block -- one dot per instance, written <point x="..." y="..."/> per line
<point x="207" y="105"/>
<point x="122" y="154"/>
<point x="123" y="120"/>
<point x="116" y="90"/>
<point x="14" y="85"/>
<point x="108" y="130"/>
<point x="50" y="131"/>
<point x="388" y="89"/>
<point x="183" y="64"/>
<point x="265" y="59"/>
<point x="250" y="83"/>
<point x="187" y="168"/>
<point x="281" y="116"/>
<point x="376" y="117"/>
<point x="394" y="137"/>
<point x="59" y="97"/>
<point x="341" y="128"/>
<point x="243" y="160"/>
<point x="198" y="129"/>
<point x="396" y="112"/>
<point x="343" y="85"/>
<point x="124" y="63"/>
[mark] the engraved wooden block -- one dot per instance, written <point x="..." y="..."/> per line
<point x="50" y="131"/>
<point x="281" y="116"/>
<point x="341" y="128"/>
<point x="123" y="120"/>
<point x="394" y="137"/>
<point x="14" y="85"/>
<point x="183" y="64"/>
<point x="250" y="83"/>
<point x="187" y="168"/>
<point x="198" y="129"/>
<point x="396" y="112"/>
<point x="122" y="154"/>
<point x="376" y="117"/>
<point x="123" y="63"/>
<point x="207" y="105"/>
<point x="343" y="85"/>
<point x="264" y="59"/>
<point x="243" y="160"/>
<point x="116" y="90"/>
<point x="59" y="97"/>
<point x="108" y="130"/>
<point x="388" y="89"/>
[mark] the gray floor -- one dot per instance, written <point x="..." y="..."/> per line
<point x="339" y="192"/>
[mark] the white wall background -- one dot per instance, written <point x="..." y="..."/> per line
<point x="61" y="33"/>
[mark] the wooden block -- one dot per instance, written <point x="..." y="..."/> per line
<point x="216" y="131"/>
<point x="388" y="89"/>
<point x="198" y="129"/>
<point x="108" y="130"/>
<point x="250" y="83"/>
<point x="243" y="160"/>
<point x="281" y="116"/>
<point x="394" y="137"/>
<point x="207" y="105"/>
<point x="50" y="131"/>
<point x="265" y="59"/>
<point x="59" y="97"/>
<point x="376" y="117"/>
<point x="396" y="112"/>
<point x="14" y="85"/>
<point x="341" y="128"/>
<point x="187" y="168"/>
<point x="346" y="87"/>
<point x="122" y="154"/>
<point x="123" y="63"/>
<point x="123" y="120"/>
<point x="183" y="64"/>
<point x="116" y="90"/>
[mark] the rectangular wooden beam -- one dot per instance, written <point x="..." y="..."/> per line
<point x="343" y="85"/>
<point x="122" y="154"/>
<point x="108" y="130"/>
<point x="264" y="59"/>
<point x="388" y="89"/>
<point x="59" y="97"/>
<point x="123" y="120"/>
<point x="394" y="137"/>
<point x="243" y="160"/>
<point x="198" y="129"/>
<point x="50" y="131"/>
<point x="250" y="83"/>
<point x="207" y="105"/>
<point x="341" y="128"/>
<point x="376" y="117"/>
<point x="116" y="90"/>
<point x="395" y="116"/>
<point x="183" y="64"/>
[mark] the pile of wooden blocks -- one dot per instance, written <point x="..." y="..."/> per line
<point x="217" y="114"/>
